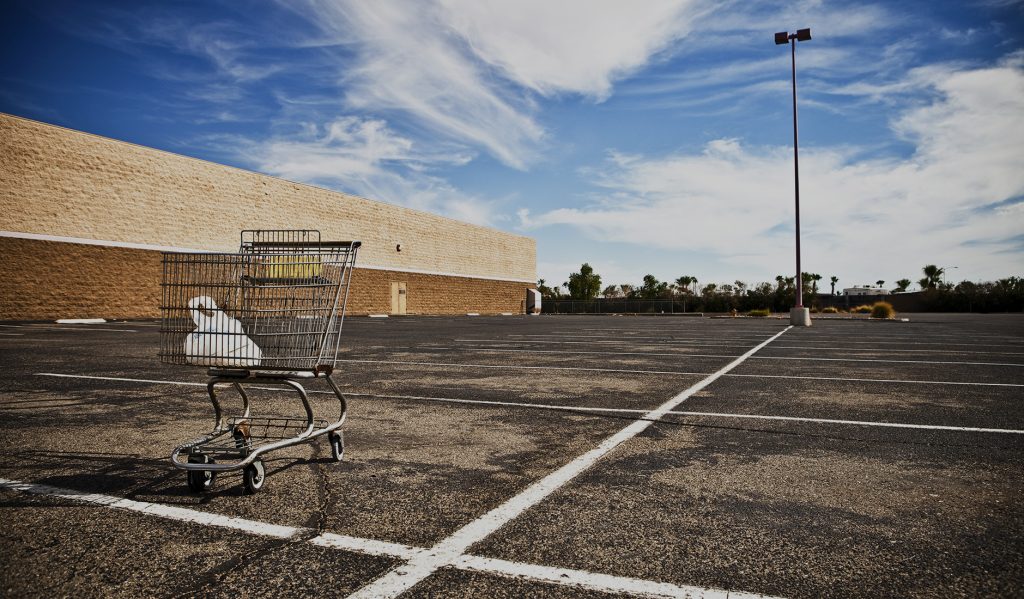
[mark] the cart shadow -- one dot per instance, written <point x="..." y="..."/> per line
<point x="117" y="474"/>
<point x="134" y="477"/>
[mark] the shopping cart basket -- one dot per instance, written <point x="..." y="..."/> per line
<point x="269" y="315"/>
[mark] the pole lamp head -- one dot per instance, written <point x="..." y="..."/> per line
<point x="801" y="35"/>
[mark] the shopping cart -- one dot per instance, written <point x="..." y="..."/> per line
<point x="269" y="315"/>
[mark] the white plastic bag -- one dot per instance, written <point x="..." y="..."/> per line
<point x="218" y="340"/>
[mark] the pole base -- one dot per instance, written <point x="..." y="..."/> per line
<point x="800" y="317"/>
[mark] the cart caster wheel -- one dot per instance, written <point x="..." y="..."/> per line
<point x="200" y="480"/>
<point x="254" y="475"/>
<point x="337" y="441"/>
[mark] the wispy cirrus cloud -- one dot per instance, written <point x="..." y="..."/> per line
<point x="467" y="70"/>
<point x="229" y="50"/>
<point x="406" y="62"/>
<point x="365" y="157"/>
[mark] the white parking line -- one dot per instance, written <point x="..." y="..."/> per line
<point x="628" y="342"/>
<point x="666" y="372"/>
<point x="449" y="550"/>
<point x="622" y="342"/>
<point x="673" y="372"/>
<point x="117" y="378"/>
<point x="943" y="343"/>
<point x="156" y="509"/>
<point x="565" y="408"/>
<point x="365" y="546"/>
<point x="931" y="427"/>
<point x="85" y="328"/>
<point x="859" y="380"/>
<point x="559" y="576"/>
<point x="887" y="361"/>
<point x="33" y="340"/>
<point x="902" y="351"/>
<point x="579" y="351"/>
<point x="515" y="367"/>
<point x="669" y="337"/>
<point x="596" y="582"/>
<point x="687" y="355"/>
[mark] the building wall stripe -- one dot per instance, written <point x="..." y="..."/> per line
<point x="168" y="248"/>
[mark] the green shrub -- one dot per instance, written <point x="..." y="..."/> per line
<point x="759" y="312"/>
<point x="862" y="309"/>
<point x="829" y="310"/>
<point x="882" y="310"/>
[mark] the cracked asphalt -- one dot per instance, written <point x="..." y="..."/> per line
<point x="795" y="508"/>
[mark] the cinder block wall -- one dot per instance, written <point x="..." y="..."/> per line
<point x="67" y="186"/>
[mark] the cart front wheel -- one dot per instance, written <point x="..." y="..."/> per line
<point x="254" y="475"/>
<point x="200" y="480"/>
<point x="337" y="445"/>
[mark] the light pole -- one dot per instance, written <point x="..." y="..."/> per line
<point x="799" y="315"/>
<point x="944" y="274"/>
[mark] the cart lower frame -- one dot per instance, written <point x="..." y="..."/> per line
<point x="245" y="438"/>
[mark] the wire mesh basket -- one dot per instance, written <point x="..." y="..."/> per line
<point x="277" y="304"/>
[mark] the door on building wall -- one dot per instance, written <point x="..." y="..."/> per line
<point x="398" y="297"/>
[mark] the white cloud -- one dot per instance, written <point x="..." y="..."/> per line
<point x="734" y="63"/>
<point x="466" y="69"/>
<point x="365" y="157"/>
<point x="407" y="60"/>
<point x="823" y="17"/>
<point x="577" y="46"/>
<point x="881" y="216"/>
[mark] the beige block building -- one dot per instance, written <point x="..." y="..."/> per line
<point x="83" y="221"/>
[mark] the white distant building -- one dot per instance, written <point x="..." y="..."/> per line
<point x="865" y="290"/>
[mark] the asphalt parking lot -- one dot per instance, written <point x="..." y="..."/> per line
<point x="552" y="456"/>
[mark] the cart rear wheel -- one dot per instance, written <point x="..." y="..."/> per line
<point x="200" y="480"/>
<point x="254" y="475"/>
<point x="337" y="445"/>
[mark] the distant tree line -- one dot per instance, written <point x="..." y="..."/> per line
<point x="1004" y="295"/>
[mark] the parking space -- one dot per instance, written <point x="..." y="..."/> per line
<point x="803" y="511"/>
<point x="503" y="456"/>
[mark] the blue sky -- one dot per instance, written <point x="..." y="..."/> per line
<point x="641" y="137"/>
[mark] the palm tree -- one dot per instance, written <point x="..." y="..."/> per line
<point x="683" y="283"/>
<point x="902" y="285"/>
<point x="834" y="280"/>
<point x="545" y="291"/>
<point x="932" y="276"/>
<point x="879" y="282"/>
<point x="778" y="281"/>
<point x="815" y="277"/>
